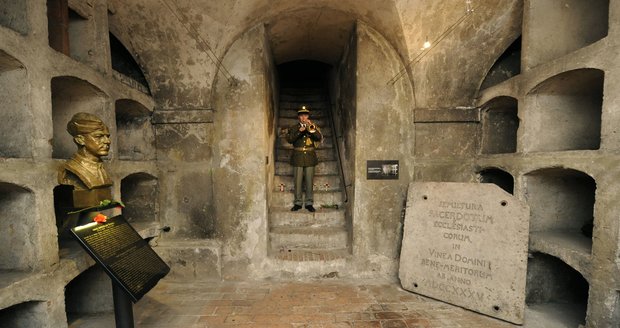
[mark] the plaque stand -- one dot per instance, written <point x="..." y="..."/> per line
<point x="123" y="308"/>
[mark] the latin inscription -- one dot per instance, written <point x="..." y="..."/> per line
<point x="461" y="223"/>
<point x="466" y="244"/>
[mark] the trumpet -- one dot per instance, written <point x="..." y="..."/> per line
<point x="311" y="127"/>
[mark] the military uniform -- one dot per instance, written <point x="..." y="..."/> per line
<point x="303" y="160"/>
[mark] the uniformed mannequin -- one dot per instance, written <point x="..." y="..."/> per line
<point x="304" y="136"/>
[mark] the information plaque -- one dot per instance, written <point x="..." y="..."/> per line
<point x="382" y="170"/>
<point x="126" y="257"/>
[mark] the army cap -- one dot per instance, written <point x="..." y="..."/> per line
<point x="303" y="110"/>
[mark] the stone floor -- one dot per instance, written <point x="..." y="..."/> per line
<point x="331" y="303"/>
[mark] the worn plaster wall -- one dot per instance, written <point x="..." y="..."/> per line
<point x="493" y="25"/>
<point x="242" y="143"/>
<point x="383" y="130"/>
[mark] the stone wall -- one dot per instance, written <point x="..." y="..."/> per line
<point x="550" y="131"/>
<point x="242" y="162"/>
<point x="383" y="131"/>
<point x="42" y="88"/>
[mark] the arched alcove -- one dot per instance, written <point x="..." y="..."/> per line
<point x="562" y="202"/>
<point x="500" y="123"/>
<point x="17" y="206"/>
<point x="88" y="295"/>
<point x="498" y="177"/>
<point x="140" y="193"/>
<point x="124" y="63"/>
<point x="71" y="95"/>
<point x="556" y="294"/>
<point x="134" y="131"/>
<point x="557" y="28"/>
<point x="564" y="112"/>
<point x="15" y="116"/>
<point x="14" y="15"/>
<point x="27" y="314"/>
<point x="505" y="67"/>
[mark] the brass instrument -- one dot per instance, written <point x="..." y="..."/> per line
<point x="311" y="127"/>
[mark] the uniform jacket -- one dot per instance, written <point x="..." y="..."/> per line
<point x="304" y="153"/>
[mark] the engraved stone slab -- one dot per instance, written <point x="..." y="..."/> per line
<point x="466" y="244"/>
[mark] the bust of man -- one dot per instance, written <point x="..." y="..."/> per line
<point x="85" y="171"/>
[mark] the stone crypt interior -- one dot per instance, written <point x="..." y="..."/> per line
<point x="521" y="94"/>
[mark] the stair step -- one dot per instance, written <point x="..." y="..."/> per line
<point x="324" y="154"/>
<point x="325" y="167"/>
<point x="282" y="143"/>
<point x="311" y="255"/>
<point x="285" y="198"/>
<point x="285" y="238"/>
<point x="302" y="91"/>
<point x="310" y="105"/>
<point x="323" y="217"/>
<point x="310" y="97"/>
<point x="321" y="182"/>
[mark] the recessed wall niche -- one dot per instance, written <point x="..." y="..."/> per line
<point x="70" y="33"/>
<point x="27" y="314"/>
<point x="139" y="193"/>
<point x="134" y="131"/>
<point x="564" y="112"/>
<point x="89" y="294"/>
<point x="555" y="292"/>
<point x="124" y="63"/>
<point x="18" y="211"/>
<point x="557" y="28"/>
<point x="562" y="205"/>
<point x="498" y="177"/>
<point x="15" y="116"/>
<point x="505" y="67"/>
<point x="71" y="95"/>
<point x="14" y="15"/>
<point x="500" y="123"/>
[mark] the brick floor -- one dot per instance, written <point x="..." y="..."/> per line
<point x="321" y="304"/>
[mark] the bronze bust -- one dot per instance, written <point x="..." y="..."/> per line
<point x="85" y="171"/>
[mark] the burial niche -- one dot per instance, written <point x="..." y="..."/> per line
<point x="18" y="209"/>
<point x="15" y="116"/>
<point x="562" y="206"/>
<point x="556" y="293"/>
<point x="134" y="131"/>
<point x="27" y="314"/>
<point x="498" y="177"/>
<point x="499" y="126"/>
<point x="565" y="112"/>
<point x="88" y="295"/>
<point x="557" y="28"/>
<point x="139" y="193"/>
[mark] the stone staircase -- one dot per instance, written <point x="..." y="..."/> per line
<point x="303" y="236"/>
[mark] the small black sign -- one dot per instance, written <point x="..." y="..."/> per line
<point x="382" y="170"/>
<point x="126" y="257"/>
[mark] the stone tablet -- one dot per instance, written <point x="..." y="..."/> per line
<point x="466" y="244"/>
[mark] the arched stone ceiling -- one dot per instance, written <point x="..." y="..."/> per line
<point x="181" y="73"/>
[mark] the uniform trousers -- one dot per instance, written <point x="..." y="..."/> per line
<point x="305" y="175"/>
